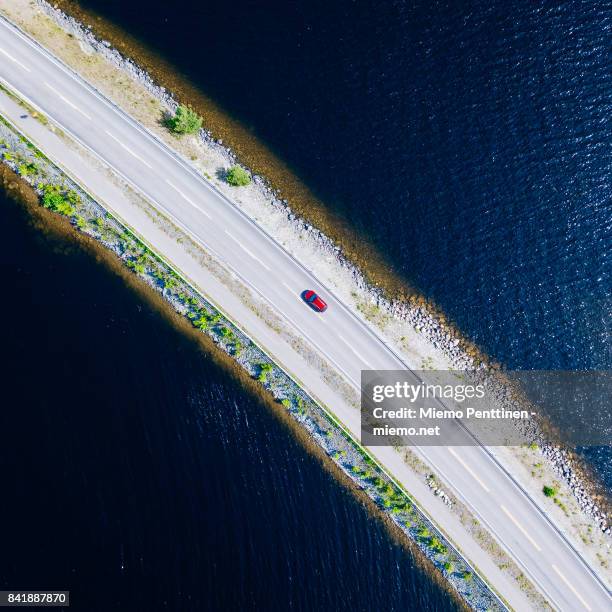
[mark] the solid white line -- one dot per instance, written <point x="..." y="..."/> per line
<point x="571" y="587"/>
<point x="68" y="102"/>
<point x="128" y="150"/>
<point x="468" y="469"/>
<point x="187" y="199"/>
<point x="370" y="366"/>
<point x="521" y="528"/>
<point x="15" y="60"/>
<point x="249" y="253"/>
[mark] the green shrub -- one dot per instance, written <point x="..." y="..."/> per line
<point x="65" y="209"/>
<point x="73" y="197"/>
<point x="437" y="546"/>
<point x="238" y="177"/>
<point x="264" y="368"/>
<point x="26" y="169"/>
<point x="54" y="199"/>
<point x="185" y="121"/>
<point x="201" y="323"/>
<point x="549" y="491"/>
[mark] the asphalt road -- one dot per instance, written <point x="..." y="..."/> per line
<point x="342" y="338"/>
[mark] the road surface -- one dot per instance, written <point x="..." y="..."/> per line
<point x="342" y="338"/>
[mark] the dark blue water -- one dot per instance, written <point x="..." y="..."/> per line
<point x="471" y="141"/>
<point x="138" y="475"/>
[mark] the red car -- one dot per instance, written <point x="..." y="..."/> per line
<point x="314" y="301"/>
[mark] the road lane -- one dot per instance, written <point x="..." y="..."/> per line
<point x="252" y="255"/>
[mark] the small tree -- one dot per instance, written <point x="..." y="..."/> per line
<point x="548" y="491"/>
<point x="185" y="121"/>
<point x="238" y="177"/>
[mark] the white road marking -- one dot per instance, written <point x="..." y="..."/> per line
<point x="187" y="199"/>
<point x="370" y="366"/>
<point x="15" y="60"/>
<point x="521" y="528"/>
<point x="571" y="587"/>
<point x="468" y="469"/>
<point x="129" y="150"/>
<point x="68" y="102"/>
<point x="249" y="253"/>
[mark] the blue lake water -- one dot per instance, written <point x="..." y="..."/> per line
<point x="470" y="141"/>
<point x="140" y="476"/>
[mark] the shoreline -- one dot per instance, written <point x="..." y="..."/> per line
<point x="56" y="229"/>
<point x="386" y="293"/>
<point x="351" y="460"/>
<point x="284" y="190"/>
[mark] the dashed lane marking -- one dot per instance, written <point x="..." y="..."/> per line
<point x="247" y="251"/>
<point x="129" y="150"/>
<point x="188" y="199"/>
<point x="469" y="470"/>
<point x="67" y="101"/>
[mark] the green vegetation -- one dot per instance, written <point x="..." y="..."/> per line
<point x="27" y="169"/>
<point x="437" y="546"/>
<point x="549" y="491"/>
<point x="238" y="176"/>
<point x="300" y="405"/>
<point x="264" y="369"/>
<point x="561" y="505"/>
<point x="59" y="200"/>
<point x="185" y="121"/>
<point x="201" y="318"/>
